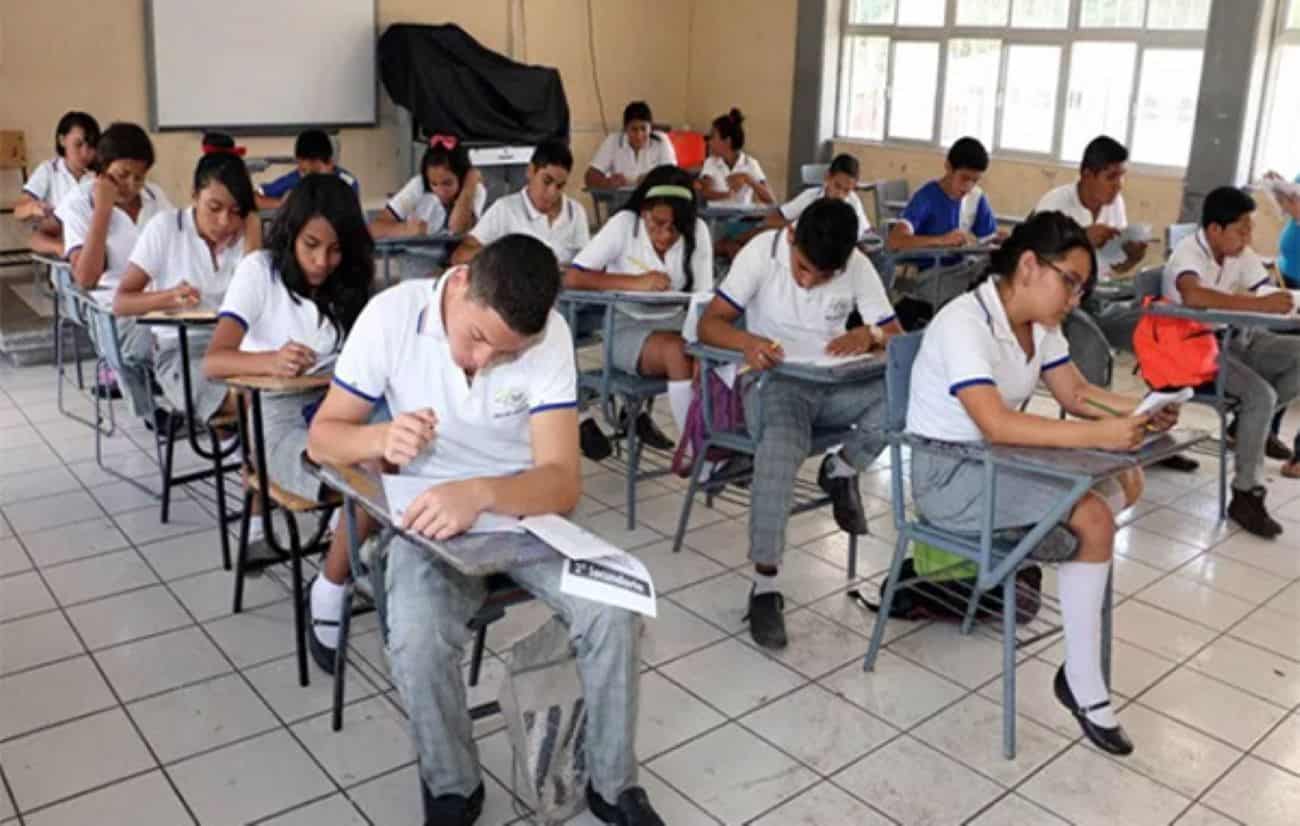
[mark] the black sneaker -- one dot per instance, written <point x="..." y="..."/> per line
<point x="846" y="501"/>
<point x="322" y="654"/>
<point x="767" y="619"/>
<point x="1180" y="464"/>
<point x="650" y="434"/>
<point x="1247" y="510"/>
<point x="1275" y="448"/>
<point x="632" y="809"/>
<point x="452" y="809"/>
<point x="593" y="442"/>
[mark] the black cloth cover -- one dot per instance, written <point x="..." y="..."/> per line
<point x="453" y="85"/>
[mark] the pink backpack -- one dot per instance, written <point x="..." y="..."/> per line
<point x="728" y="415"/>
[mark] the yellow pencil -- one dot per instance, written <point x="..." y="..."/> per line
<point x="1103" y="408"/>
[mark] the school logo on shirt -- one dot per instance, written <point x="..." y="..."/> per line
<point x="509" y="401"/>
<point x="838" y="309"/>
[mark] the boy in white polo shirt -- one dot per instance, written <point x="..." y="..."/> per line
<point x="624" y="158"/>
<point x="796" y="288"/>
<point x="540" y="209"/>
<point x="478" y="370"/>
<point x="1215" y="269"/>
<point x="841" y="182"/>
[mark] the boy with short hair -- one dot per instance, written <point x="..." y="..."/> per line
<point x="796" y="287"/>
<point x="951" y="211"/>
<point x="1215" y="269"/>
<point x="478" y="370"/>
<point x="841" y="182"/>
<point x="540" y="209"/>
<point x="313" y="152"/>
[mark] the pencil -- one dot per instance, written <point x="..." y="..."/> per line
<point x="1103" y="408"/>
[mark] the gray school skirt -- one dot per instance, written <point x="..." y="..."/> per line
<point x="206" y="394"/>
<point x="630" y="335"/>
<point x="949" y="493"/>
<point x="285" y="429"/>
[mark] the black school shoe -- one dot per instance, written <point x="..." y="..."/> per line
<point x="767" y="619"/>
<point x="1275" y="448"/>
<point x="632" y="809"/>
<point x="846" y="501"/>
<point x="1110" y="740"/>
<point x="452" y="809"/>
<point x="322" y="654"/>
<point x="1247" y="510"/>
<point x="593" y="442"/>
<point x="1179" y="464"/>
<point x="650" y="434"/>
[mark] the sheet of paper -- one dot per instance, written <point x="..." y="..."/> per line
<point x="1154" y="402"/>
<point x="815" y="355"/>
<point x="1136" y="232"/>
<point x="323" y="364"/>
<point x="620" y="580"/>
<point x="1269" y="289"/>
<point x="569" y="538"/>
<point x="400" y="491"/>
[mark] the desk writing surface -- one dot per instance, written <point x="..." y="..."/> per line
<point x="1229" y="318"/>
<point x="868" y="367"/>
<point x="1098" y="464"/>
<point x="280" y="384"/>
<point x="179" y="317"/>
<point x="436" y="239"/>
<point x="602" y="297"/>
<point x="944" y="252"/>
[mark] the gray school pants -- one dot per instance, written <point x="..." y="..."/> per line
<point x="1263" y="374"/>
<point x="429" y="609"/>
<point x="132" y="360"/>
<point x="790" y="409"/>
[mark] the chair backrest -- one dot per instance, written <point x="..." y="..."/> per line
<point x="1147" y="284"/>
<point x="893" y="190"/>
<point x="899" y="356"/>
<point x="813" y="174"/>
<point x="1175" y="233"/>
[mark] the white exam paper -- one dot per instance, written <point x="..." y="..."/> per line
<point x="400" y="491"/>
<point x="569" y="538"/>
<point x="1154" y="402"/>
<point x="620" y="580"/>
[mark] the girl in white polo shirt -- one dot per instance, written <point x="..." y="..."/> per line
<point x="185" y="260"/>
<point x="448" y="194"/>
<point x="730" y="176"/>
<point x="624" y="158"/>
<point x="982" y="356"/>
<point x="75" y="137"/>
<point x="656" y="242"/>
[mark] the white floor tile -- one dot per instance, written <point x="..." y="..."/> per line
<point x="897" y="691"/>
<point x="823" y="805"/>
<point x="36" y="640"/>
<point x="375" y="739"/>
<point x="1132" y="576"/>
<point x="1201" y="816"/>
<point x="663" y="513"/>
<point x="50" y="511"/>
<point x="13" y="559"/>
<point x="1231" y="577"/>
<point x="1272" y="630"/>
<point x="671" y="805"/>
<point x="819" y="728"/>
<point x="676" y="632"/>
<point x="50" y="694"/>
<point x="1089" y="789"/>
<point x="1260" y="672"/>
<point x="1159" y="631"/>
<point x="1273" y="556"/>
<point x="1282" y="746"/>
<point x="200" y="717"/>
<point x="971" y="733"/>
<point x="59" y="762"/>
<point x="723" y="601"/>
<point x="1036" y="699"/>
<point x="671" y="571"/>
<point x="332" y="811"/>
<point x="1147" y="538"/>
<point x="1014" y="810"/>
<point x="850" y="613"/>
<point x="734" y="790"/>
<point x="277" y="683"/>
<point x="186" y="517"/>
<point x="160" y="663"/>
<point x="913" y="783"/>
<point x="123" y="497"/>
<point x="1213" y="707"/>
<point x="75" y="541"/>
<point x="125" y="617"/>
<point x="711" y="675"/>
<point x="1196" y="602"/>
<point x="1133" y="669"/>
<point x="147" y="800"/>
<point x="98" y="576"/>
<point x="1173" y="754"/>
<point x="967" y="659"/>
<point x="1257" y="793"/>
<point x="611" y="526"/>
<point x="257" y="634"/>
<point x="249" y="780"/>
<point x="874" y="554"/>
<point x="817" y="646"/>
<point x="210" y="595"/>
<point x="668" y="716"/>
<point x="184" y="555"/>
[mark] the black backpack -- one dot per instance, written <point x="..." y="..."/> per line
<point x="924" y="599"/>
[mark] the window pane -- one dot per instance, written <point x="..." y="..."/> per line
<point x="1097" y="103"/>
<point x="1040" y="14"/>
<point x="871" y="11"/>
<point x="866" y="67"/>
<point x="1293" y="20"/>
<point x="1178" y="14"/>
<point x="921" y="13"/>
<point x="1029" y="108"/>
<point x="911" y="94"/>
<point x="1281" y="150"/>
<point x="1112" y="13"/>
<point x="982" y="12"/>
<point x="1166" y="106"/>
<point x="971" y="90"/>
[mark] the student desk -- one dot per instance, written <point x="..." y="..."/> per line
<point x="605" y="200"/>
<point x="182" y="321"/>
<point x="1230" y="322"/>
<point x="437" y="245"/>
<point x="714" y="213"/>
<point x="931" y="285"/>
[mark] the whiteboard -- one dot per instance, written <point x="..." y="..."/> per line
<point x="264" y="65"/>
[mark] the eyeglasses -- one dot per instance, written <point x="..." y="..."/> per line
<point x="1073" y="282"/>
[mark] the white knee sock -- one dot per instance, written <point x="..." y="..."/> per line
<point x="679" y="399"/>
<point x="326" y="604"/>
<point x="1083" y="587"/>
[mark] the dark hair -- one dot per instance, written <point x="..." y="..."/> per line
<point x="123" y="141"/>
<point x="1101" y="152"/>
<point x="552" y="153"/>
<point x="827" y="233"/>
<point x="71" y="120"/>
<point x="518" y="277"/>
<point x="1225" y="205"/>
<point x="968" y="153"/>
<point x="844" y="164"/>
<point x="1048" y="235"/>
<point x="313" y="145"/>
<point x="729" y="128"/>
<point x="346" y="290"/>
<point x="456" y="159"/>
<point x="229" y="171"/>
<point x="637" y="110"/>
<point x="685" y="210"/>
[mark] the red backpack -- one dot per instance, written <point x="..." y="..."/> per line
<point x="1174" y="352"/>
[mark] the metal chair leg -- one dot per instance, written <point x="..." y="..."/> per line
<point x="299" y="609"/>
<point x="476" y="658"/>
<point x="241" y="553"/>
<point x="341" y="654"/>
<point x="1009" y="667"/>
<point x="691" y="489"/>
<point x="886" y="603"/>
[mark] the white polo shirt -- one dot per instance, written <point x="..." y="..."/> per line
<point x="414" y="202"/>
<point x="52" y="181"/>
<point x="566" y="235"/>
<point x="75" y="213"/>
<point x="761" y="285"/>
<point x="623" y="246"/>
<point x="1240" y="274"/>
<point x="715" y="172"/>
<point x="615" y="156"/>
<point x="793" y="208"/>
<point x="970" y="343"/>
<point x="171" y="251"/>
<point x="270" y="315"/>
<point x="399" y="351"/>
<point x="1066" y="199"/>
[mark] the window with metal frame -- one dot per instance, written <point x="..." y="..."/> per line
<point x="1278" y="147"/>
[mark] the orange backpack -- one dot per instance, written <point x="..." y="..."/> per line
<point x="1174" y="352"/>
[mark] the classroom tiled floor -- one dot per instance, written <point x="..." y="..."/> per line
<point x="130" y="695"/>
